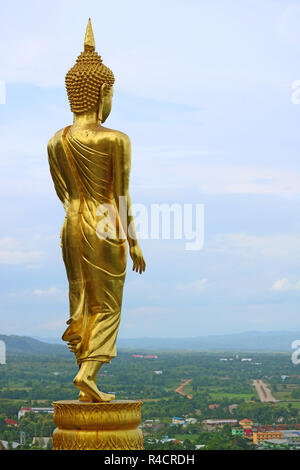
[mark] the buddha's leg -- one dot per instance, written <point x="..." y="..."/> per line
<point x="86" y="381"/>
<point x="83" y="396"/>
<point x="71" y="256"/>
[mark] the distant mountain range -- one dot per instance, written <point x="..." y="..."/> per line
<point x="249" y="341"/>
<point x="277" y="341"/>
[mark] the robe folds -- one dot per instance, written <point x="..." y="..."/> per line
<point x="95" y="263"/>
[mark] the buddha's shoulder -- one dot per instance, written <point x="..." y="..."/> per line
<point x="56" y="137"/>
<point x="112" y="134"/>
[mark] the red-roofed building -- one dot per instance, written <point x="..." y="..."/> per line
<point x="152" y="356"/>
<point x="25" y="410"/>
<point x="264" y="428"/>
<point x="177" y="442"/>
<point x="137" y="355"/>
<point x="213" y="406"/>
<point x="11" y="423"/>
<point x="246" y="423"/>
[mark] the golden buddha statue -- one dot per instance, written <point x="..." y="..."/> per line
<point x="90" y="168"/>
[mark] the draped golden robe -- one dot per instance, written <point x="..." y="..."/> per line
<point x="82" y="172"/>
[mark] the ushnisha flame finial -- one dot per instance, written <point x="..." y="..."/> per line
<point x="89" y="40"/>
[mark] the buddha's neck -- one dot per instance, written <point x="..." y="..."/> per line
<point x="81" y="120"/>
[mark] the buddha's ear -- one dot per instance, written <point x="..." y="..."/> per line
<point x="103" y="90"/>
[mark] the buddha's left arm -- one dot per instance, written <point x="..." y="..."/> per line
<point x="121" y="175"/>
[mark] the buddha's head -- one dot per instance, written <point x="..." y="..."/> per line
<point x="89" y="82"/>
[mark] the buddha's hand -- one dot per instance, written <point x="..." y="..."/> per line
<point x="136" y="254"/>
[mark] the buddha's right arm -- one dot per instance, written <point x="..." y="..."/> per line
<point x="59" y="184"/>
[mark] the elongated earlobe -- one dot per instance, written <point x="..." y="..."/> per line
<point x="100" y="110"/>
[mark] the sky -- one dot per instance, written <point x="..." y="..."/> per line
<point x="205" y="91"/>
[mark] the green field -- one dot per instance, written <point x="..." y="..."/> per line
<point x="29" y="380"/>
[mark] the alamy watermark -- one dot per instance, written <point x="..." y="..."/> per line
<point x="295" y="356"/>
<point x="2" y="92"/>
<point x="157" y="221"/>
<point x="2" y="352"/>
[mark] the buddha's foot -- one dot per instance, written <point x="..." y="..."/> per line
<point x="85" y="397"/>
<point x="89" y="389"/>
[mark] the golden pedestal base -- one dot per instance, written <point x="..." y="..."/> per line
<point x="97" y="426"/>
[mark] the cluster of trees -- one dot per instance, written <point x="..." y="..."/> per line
<point x="219" y="440"/>
<point x="37" y="425"/>
<point x="223" y="440"/>
<point x="31" y="424"/>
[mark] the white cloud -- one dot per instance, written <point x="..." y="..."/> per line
<point x="33" y="267"/>
<point x="195" y="286"/>
<point x="9" y="243"/>
<point x="206" y="43"/>
<point x="139" y="287"/>
<point x="54" y="325"/>
<point x="51" y="291"/>
<point x="10" y="253"/>
<point x="149" y="311"/>
<point x="284" y="245"/>
<point x="214" y="178"/>
<point x="283" y="285"/>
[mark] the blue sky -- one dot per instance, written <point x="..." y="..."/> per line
<point x="203" y="89"/>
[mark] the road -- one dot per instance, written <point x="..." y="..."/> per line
<point x="180" y="388"/>
<point x="263" y="391"/>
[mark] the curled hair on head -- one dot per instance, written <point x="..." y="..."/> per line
<point x="85" y="78"/>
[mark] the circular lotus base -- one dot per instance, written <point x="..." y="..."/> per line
<point x="97" y="426"/>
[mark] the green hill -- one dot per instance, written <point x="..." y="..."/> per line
<point x="16" y="345"/>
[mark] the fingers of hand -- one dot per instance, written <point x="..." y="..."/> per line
<point x="139" y="265"/>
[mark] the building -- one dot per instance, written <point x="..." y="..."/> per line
<point x="26" y="409"/>
<point x="246" y="423"/>
<point x="148" y="423"/>
<point x="11" y="423"/>
<point x="158" y="372"/>
<point x="248" y="432"/>
<point x="177" y="442"/>
<point x="151" y="356"/>
<point x="237" y="432"/>
<point x="290" y="433"/>
<point x="278" y="444"/>
<point x="137" y="355"/>
<point x="6" y="445"/>
<point x="23" y="411"/>
<point x="176" y="420"/>
<point x="259" y="437"/>
<point x="213" y="406"/>
<point x="41" y="442"/>
<point x="191" y="421"/>
<point x="263" y="428"/>
<point x="218" y="423"/>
